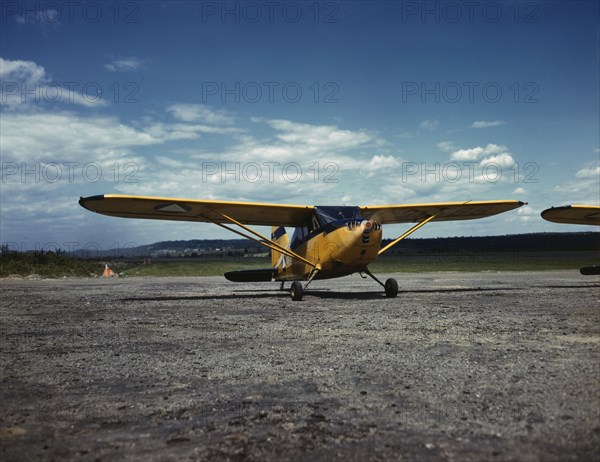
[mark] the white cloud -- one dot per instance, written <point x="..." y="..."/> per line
<point x="325" y="155"/>
<point x="378" y="164"/>
<point x="476" y="153"/>
<point x="500" y="160"/>
<point x="65" y="136"/>
<point x="527" y="214"/>
<point x="26" y="71"/>
<point x="430" y="125"/>
<point x="304" y="144"/>
<point x="584" y="189"/>
<point x="519" y="191"/>
<point x="445" y="146"/>
<point x="590" y="171"/>
<point x="323" y="136"/>
<point x="382" y="162"/>
<point x="478" y="173"/>
<point x="183" y="131"/>
<point x="198" y="112"/>
<point x="468" y="154"/>
<point x="25" y="83"/>
<point x="486" y="124"/>
<point x="125" y="64"/>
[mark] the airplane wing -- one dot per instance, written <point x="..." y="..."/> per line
<point x="573" y="214"/>
<point x="267" y="214"/>
<point x="162" y="208"/>
<point x="443" y="211"/>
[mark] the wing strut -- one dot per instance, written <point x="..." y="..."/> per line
<point x="313" y="273"/>
<point x="410" y="231"/>
<point x="262" y="241"/>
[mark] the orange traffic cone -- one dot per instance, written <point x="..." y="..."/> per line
<point x="108" y="273"/>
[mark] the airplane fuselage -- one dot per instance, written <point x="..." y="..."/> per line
<point x="339" y="251"/>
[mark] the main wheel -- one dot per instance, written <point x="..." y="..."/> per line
<point x="391" y="288"/>
<point x="297" y="291"/>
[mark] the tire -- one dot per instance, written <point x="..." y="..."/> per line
<point x="391" y="288"/>
<point x="296" y="291"/>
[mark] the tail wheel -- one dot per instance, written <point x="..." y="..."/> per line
<point x="296" y="291"/>
<point x="391" y="288"/>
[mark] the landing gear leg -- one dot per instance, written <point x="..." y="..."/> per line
<point x="281" y="287"/>
<point x="390" y="286"/>
<point x="297" y="291"/>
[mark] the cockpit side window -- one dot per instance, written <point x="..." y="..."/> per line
<point x="308" y="229"/>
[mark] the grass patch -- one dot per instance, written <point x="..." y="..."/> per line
<point x="47" y="264"/>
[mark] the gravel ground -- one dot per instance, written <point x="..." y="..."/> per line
<point x="459" y="367"/>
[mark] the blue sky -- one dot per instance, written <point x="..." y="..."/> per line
<point x="294" y="102"/>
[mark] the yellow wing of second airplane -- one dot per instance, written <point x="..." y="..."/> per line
<point x="573" y="214"/>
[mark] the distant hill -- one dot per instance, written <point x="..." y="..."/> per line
<point x="224" y="248"/>
<point x="533" y="242"/>
<point x="195" y="248"/>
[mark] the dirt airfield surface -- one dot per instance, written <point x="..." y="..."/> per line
<point x="460" y="367"/>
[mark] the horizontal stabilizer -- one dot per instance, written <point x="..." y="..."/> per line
<point x="254" y="275"/>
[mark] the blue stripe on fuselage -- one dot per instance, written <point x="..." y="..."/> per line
<point x="277" y="233"/>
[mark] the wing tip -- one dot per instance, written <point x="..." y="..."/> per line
<point x="553" y="208"/>
<point x="589" y="214"/>
<point x="84" y="200"/>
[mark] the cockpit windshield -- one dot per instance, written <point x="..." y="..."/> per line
<point x="325" y="219"/>
<point x="330" y="214"/>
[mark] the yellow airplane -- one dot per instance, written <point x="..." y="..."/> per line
<point x="576" y="215"/>
<point x="328" y="241"/>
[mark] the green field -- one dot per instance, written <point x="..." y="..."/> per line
<point x="50" y="265"/>
<point x="46" y="264"/>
